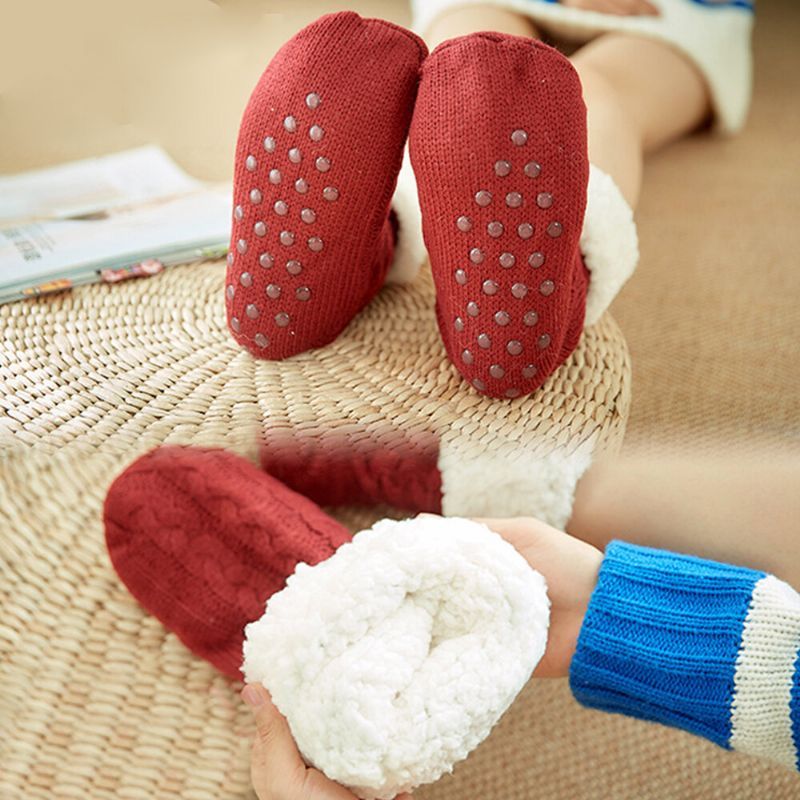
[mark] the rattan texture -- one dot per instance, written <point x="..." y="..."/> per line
<point x="97" y="700"/>
<point x="136" y="365"/>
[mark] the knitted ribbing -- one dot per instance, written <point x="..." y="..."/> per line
<point x="795" y="709"/>
<point x="498" y="146"/>
<point x="661" y="637"/>
<point x="707" y="647"/>
<point x="319" y="150"/>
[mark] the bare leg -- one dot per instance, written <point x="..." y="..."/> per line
<point x="741" y="509"/>
<point x="471" y="19"/>
<point x="633" y="110"/>
<point x="630" y="111"/>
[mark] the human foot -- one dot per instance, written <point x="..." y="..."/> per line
<point x="319" y="149"/>
<point x="498" y="145"/>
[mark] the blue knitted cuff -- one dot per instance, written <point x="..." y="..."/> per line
<point x="661" y="637"/>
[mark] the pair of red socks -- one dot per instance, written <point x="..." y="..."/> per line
<point x="496" y="128"/>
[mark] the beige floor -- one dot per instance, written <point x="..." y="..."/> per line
<point x="711" y="315"/>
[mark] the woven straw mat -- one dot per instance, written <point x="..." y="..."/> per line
<point x="97" y="700"/>
<point x="132" y="366"/>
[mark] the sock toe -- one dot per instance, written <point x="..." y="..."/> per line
<point x="201" y="538"/>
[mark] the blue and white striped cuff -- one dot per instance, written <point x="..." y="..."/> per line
<point x="707" y="647"/>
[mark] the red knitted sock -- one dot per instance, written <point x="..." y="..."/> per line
<point x="202" y="538"/>
<point x="498" y="145"/>
<point x="348" y="470"/>
<point x="320" y="146"/>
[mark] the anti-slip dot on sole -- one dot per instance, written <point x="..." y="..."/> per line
<point x="498" y="145"/>
<point x="319" y="150"/>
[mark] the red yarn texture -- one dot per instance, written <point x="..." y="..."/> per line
<point x="348" y="473"/>
<point x="202" y="538"/>
<point x="498" y="146"/>
<point x="319" y="150"/>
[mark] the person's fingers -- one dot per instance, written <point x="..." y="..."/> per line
<point x="524" y="532"/>
<point x="569" y="565"/>
<point x="649" y="9"/>
<point x="601" y="6"/>
<point x="638" y="7"/>
<point x="276" y="767"/>
<point x="272" y="730"/>
<point x="622" y="8"/>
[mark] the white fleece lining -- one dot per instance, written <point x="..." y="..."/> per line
<point x="524" y="483"/>
<point x="410" y="253"/>
<point x="760" y="711"/>
<point x="395" y="657"/>
<point x="716" y="38"/>
<point x="609" y="242"/>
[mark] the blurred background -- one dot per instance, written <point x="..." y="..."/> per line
<point x="87" y="77"/>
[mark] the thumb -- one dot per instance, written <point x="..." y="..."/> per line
<point x="273" y="737"/>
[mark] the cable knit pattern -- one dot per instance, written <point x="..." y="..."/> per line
<point x="202" y="538"/>
<point x="319" y="150"/>
<point x="703" y="646"/>
<point x="353" y="472"/>
<point x="425" y="474"/>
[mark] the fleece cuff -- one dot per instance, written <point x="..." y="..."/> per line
<point x="409" y="252"/>
<point x="609" y="242"/>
